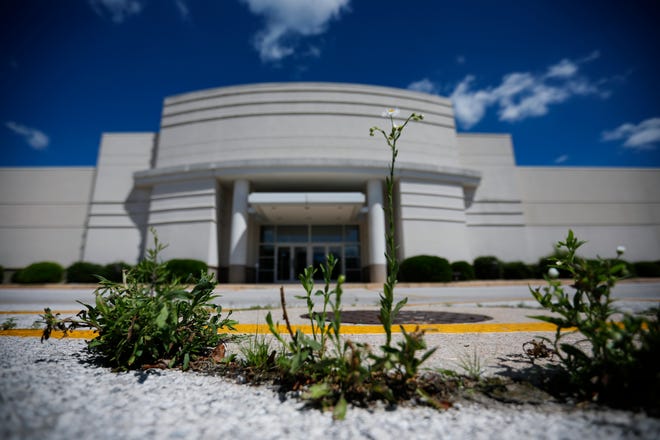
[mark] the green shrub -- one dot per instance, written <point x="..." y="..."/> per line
<point x="462" y="270"/>
<point x="84" y="272"/>
<point x="487" y="268"/>
<point x="185" y="269"/>
<point x="647" y="269"/>
<point x="516" y="270"/>
<point x="115" y="271"/>
<point x="533" y="270"/>
<point x="425" y="268"/>
<point x="42" y="272"/>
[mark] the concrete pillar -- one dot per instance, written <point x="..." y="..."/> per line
<point x="238" y="242"/>
<point x="377" y="261"/>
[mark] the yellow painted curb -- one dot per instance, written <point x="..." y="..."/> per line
<point x="345" y="329"/>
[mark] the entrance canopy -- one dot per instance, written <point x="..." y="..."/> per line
<point x="307" y="207"/>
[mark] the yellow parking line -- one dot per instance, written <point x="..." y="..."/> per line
<point x="345" y="329"/>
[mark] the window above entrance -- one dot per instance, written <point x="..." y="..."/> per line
<point x="307" y="208"/>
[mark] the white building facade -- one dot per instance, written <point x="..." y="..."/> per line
<point x="262" y="180"/>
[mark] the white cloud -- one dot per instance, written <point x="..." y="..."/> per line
<point x="639" y="137"/>
<point x="563" y="69"/>
<point x="460" y="59"/>
<point x="424" y="85"/>
<point x="522" y="95"/>
<point x="288" y="19"/>
<point x="561" y="159"/>
<point x="36" y="139"/>
<point x="470" y="107"/>
<point x="117" y="10"/>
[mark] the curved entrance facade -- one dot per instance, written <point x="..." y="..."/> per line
<point x="260" y="181"/>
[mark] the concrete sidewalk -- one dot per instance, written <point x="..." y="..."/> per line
<point x="507" y="304"/>
<point x="496" y="342"/>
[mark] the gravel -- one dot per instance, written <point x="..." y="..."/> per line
<point x="49" y="391"/>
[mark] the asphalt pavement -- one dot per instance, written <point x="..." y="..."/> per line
<point x="66" y="297"/>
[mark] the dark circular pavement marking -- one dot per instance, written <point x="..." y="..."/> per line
<point x="407" y="317"/>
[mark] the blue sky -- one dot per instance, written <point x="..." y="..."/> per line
<point x="576" y="83"/>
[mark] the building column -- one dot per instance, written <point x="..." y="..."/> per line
<point x="377" y="261"/>
<point x="238" y="243"/>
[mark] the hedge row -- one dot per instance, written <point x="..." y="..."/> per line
<point x="420" y="268"/>
<point x="427" y="268"/>
<point x="186" y="270"/>
<point x="42" y="272"/>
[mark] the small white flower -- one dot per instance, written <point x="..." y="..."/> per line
<point x="391" y="112"/>
<point x="553" y="273"/>
<point x="620" y="249"/>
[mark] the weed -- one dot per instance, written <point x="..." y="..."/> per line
<point x="257" y="353"/>
<point x="150" y="319"/>
<point x="9" y="324"/>
<point x="619" y="365"/>
<point x="472" y="365"/>
<point x="260" y="307"/>
<point x="351" y="372"/>
<point x="388" y="310"/>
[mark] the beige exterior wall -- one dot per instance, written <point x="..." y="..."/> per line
<point x="432" y="217"/>
<point x="43" y="214"/>
<point x="495" y="215"/>
<point x="119" y="208"/>
<point x="518" y="213"/>
<point x="607" y="207"/>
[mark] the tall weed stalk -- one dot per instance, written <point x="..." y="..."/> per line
<point x="388" y="310"/>
<point x="402" y="358"/>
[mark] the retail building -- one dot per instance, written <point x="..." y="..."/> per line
<point x="262" y="180"/>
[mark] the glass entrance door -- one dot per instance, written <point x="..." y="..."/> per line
<point x="291" y="261"/>
<point x="286" y="250"/>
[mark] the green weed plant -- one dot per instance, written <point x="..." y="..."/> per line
<point x="8" y="324"/>
<point x="618" y="363"/>
<point x="336" y="369"/>
<point x="472" y="365"/>
<point x="150" y="319"/>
